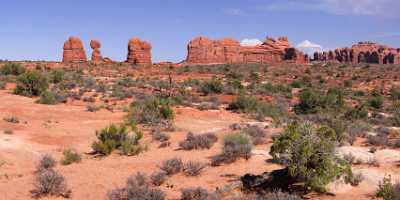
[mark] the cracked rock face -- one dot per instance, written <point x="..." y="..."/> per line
<point x="74" y="51"/>
<point x="202" y="50"/>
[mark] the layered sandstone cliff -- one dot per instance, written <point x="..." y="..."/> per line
<point x="74" y="51"/>
<point x="139" y="52"/>
<point x="202" y="50"/>
<point x="362" y="52"/>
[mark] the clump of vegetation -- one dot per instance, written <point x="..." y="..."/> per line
<point x="197" y="194"/>
<point x="158" y="178"/>
<point x="193" y="168"/>
<point x="8" y="131"/>
<point x="48" y="181"/>
<point x="137" y="188"/>
<point x="12" y="69"/>
<point x="259" y="109"/>
<point x="204" y="141"/>
<point x="118" y="137"/>
<point x="159" y="136"/>
<point x="56" y="76"/>
<point x="150" y="110"/>
<point x="213" y="86"/>
<point x="312" y="101"/>
<point x="31" y="83"/>
<point x="387" y="190"/>
<point x="236" y="146"/>
<point x="172" y="166"/>
<point x="376" y="100"/>
<point x="71" y="156"/>
<point x="48" y="98"/>
<point x="11" y="119"/>
<point x="256" y="133"/>
<point x="309" y="154"/>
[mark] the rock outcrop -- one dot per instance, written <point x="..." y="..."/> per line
<point x="362" y="52"/>
<point x="202" y="50"/>
<point x="139" y="52"/>
<point x="96" y="53"/>
<point x="74" y="51"/>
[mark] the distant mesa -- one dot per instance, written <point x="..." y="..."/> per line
<point x="74" y="51"/>
<point x="362" y="52"/>
<point x="202" y="50"/>
<point x="139" y="52"/>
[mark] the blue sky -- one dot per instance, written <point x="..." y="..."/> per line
<point x="37" y="29"/>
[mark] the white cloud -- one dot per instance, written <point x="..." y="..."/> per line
<point x="233" y="11"/>
<point x="309" y="47"/>
<point x="379" y="8"/>
<point x="250" y="42"/>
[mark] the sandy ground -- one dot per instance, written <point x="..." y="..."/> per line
<point x="50" y="129"/>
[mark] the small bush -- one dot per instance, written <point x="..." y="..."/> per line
<point x="355" y="179"/>
<point x="193" y="168"/>
<point x="172" y="166"/>
<point x="48" y="98"/>
<point x="8" y="131"/>
<point x="197" y="194"/>
<point x="387" y="190"/>
<point x="50" y="182"/>
<point x="159" y="136"/>
<point x="47" y="162"/>
<point x="204" y="141"/>
<point x="376" y="101"/>
<point x="256" y="133"/>
<point x="150" y="110"/>
<point x="71" y="156"/>
<point x="236" y="145"/>
<point x="378" y="140"/>
<point x="158" y="178"/>
<point x="213" y="86"/>
<point x="57" y="76"/>
<point x="12" y="69"/>
<point x="137" y="188"/>
<point x="31" y="83"/>
<point x="118" y="137"/>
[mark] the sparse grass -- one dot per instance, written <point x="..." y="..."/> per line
<point x="47" y="162"/>
<point x="11" y="119"/>
<point x="71" y="156"/>
<point x="50" y="183"/>
<point x="172" y="166"/>
<point x="193" y="168"/>
<point x="236" y="145"/>
<point x="197" y="193"/>
<point x="158" y="178"/>
<point x="204" y="141"/>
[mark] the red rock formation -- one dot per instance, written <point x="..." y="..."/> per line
<point x="96" y="54"/>
<point x="362" y="52"/>
<point x="202" y="50"/>
<point x="74" y="51"/>
<point x="139" y="52"/>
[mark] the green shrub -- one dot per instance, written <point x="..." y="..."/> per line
<point x="245" y="104"/>
<point x="48" y="98"/>
<point x="312" y="101"/>
<point x="70" y="156"/>
<point x="395" y="93"/>
<point x="31" y="83"/>
<point x="348" y="83"/>
<point x="356" y="113"/>
<point x="309" y="154"/>
<point x="117" y="137"/>
<point x="150" y="110"/>
<point x="57" y="76"/>
<point x="213" y="86"/>
<point x="376" y="101"/>
<point x="12" y="69"/>
<point x="387" y="190"/>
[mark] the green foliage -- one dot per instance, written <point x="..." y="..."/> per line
<point x="117" y="137"/>
<point x="309" y="154"/>
<point x="348" y="83"/>
<point x="57" y="76"/>
<point x="395" y="93"/>
<point x="312" y="101"/>
<point x="31" y="83"/>
<point x="387" y="190"/>
<point x="270" y="89"/>
<point x="12" y="69"/>
<point x="150" y="110"/>
<point x="47" y="97"/>
<point x="356" y="113"/>
<point x="376" y="101"/>
<point x="213" y="86"/>
<point x="70" y="156"/>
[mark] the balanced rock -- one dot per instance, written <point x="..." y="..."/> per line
<point x="139" y="52"/>
<point x="96" y="54"/>
<point x="74" y="51"/>
<point x="202" y="50"/>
